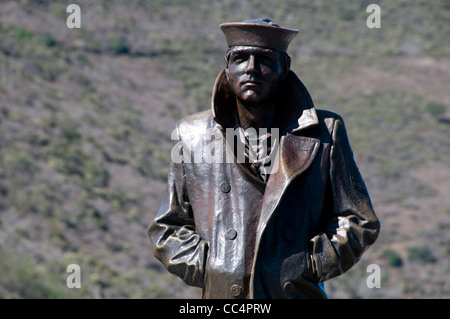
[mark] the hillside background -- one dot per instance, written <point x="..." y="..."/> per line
<point x="86" y="116"/>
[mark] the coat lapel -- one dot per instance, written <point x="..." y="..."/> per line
<point x="295" y="155"/>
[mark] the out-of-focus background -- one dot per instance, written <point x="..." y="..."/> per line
<point x="86" y="116"/>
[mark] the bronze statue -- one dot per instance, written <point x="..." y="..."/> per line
<point x="264" y="197"/>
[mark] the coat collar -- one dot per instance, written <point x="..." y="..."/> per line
<point x="296" y="108"/>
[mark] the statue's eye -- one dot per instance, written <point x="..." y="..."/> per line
<point x="266" y="59"/>
<point x="239" y="58"/>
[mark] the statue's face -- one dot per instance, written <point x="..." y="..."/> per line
<point x="254" y="73"/>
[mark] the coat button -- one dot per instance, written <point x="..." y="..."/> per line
<point x="225" y="187"/>
<point x="289" y="287"/>
<point x="231" y="234"/>
<point x="236" y="290"/>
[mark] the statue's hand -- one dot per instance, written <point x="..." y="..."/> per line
<point x="297" y="278"/>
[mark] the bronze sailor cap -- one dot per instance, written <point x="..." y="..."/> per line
<point x="258" y="32"/>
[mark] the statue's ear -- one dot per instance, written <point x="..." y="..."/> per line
<point x="227" y="73"/>
<point x="286" y="65"/>
<point x="227" y="59"/>
<point x="223" y="89"/>
<point x="227" y="76"/>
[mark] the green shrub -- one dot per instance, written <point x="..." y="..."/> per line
<point x="392" y="257"/>
<point x="436" y="109"/>
<point x="118" y="46"/>
<point x="47" y="40"/>
<point x="24" y="34"/>
<point x="421" y="255"/>
<point x="24" y="278"/>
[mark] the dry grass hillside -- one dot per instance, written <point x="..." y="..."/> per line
<point x="86" y="116"/>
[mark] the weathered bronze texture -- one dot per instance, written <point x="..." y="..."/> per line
<point x="238" y="229"/>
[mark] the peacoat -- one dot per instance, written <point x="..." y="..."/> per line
<point x="222" y="229"/>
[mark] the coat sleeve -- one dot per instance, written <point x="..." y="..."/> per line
<point x="350" y="225"/>
<point x="176" y="243"/>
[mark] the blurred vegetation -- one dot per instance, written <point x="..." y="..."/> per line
<point x="394" y="259"/>
<point x="81" y="154"/>
<point x="421" y="255"/>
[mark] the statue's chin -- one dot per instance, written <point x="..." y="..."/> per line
<point x="251" y="96"/>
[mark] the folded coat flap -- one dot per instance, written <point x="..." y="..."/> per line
<point x="295" y="156"/>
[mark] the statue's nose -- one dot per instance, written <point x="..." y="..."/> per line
<point x="251" y="65"/>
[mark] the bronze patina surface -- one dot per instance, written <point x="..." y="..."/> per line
<point x="264" y="197"/>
